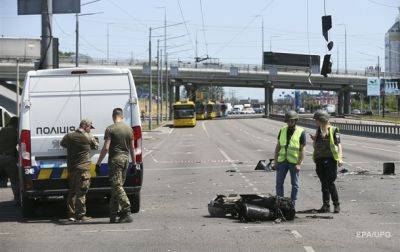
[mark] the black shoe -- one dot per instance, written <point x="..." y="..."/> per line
<point x="113" y="219"/>
<point x="324" y="209"/>
<point x="125" y="218"/>
<point x="336" y="208"/>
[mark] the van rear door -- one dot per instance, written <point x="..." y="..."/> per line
<point x="100" y="94"/>
<point x="54" y="111"/>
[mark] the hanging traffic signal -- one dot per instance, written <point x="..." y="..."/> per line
<point x="326" y="66"/>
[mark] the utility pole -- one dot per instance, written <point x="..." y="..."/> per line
<point x="17" y="87"/>
<point x="345" y="49"/>
<point x="47" y="39"/>
<point x="337" y="60"/>
<point x="161" y="85"/>
<point x="262" y="36"/>
<point x="158" y="81"/>
<point x="197" y="56"/>
<point x="76" y="40"/>
<point x="150" y="80"/>
<point x="108" y="41"/>
<point x="166" y="59"/>
<point x="380" y="91"/>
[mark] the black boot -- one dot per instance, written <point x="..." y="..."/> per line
<point x="336" y="208"/>
<point x="125" y="218"/>
<point x="325" y="208"/>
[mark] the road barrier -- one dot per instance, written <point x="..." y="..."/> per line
<point x="358" y="129"/>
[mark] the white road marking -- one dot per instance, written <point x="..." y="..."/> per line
<point x="147" y="153"/>
<point x="193" y="168"/>
<point x="250" y="184"/>
<point x="6" y="233"/>
<point x="390" y="223"/>
<point x="117" y="230"/>
<point x="296" y="234"/>
<point x="308" y="249"/>
<point x="203" y="125"/>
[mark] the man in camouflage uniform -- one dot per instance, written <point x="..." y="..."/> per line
<point x="78" y="145"/>
<point x="118" y="143"/>
<point x="8" y="155"/>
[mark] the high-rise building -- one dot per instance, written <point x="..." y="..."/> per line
<point x="392" y="49"/>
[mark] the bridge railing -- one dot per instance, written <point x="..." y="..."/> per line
<point x="358" y="129"/>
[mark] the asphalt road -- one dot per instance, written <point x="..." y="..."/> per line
<point x="186" y="167"/>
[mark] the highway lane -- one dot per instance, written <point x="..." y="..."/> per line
<point x="186" y="167"/>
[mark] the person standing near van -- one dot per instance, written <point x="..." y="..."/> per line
<point x="78" y="145"/>
<point x="327" y="157"/>
<point x="289" y="154"/>
<point x="8" y="155"/>
<point x="118" y="143"/>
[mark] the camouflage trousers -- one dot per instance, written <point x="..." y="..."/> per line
<point x="119" y="201"/>
<point x="8" y="165"/>
<point x="79" y="183"/>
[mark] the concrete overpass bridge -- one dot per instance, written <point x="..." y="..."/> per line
<point x="192" y="78"/>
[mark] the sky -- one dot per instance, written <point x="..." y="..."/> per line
<point x="229" y="30"/>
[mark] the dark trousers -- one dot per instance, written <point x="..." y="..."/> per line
<point x="327" y="173"/>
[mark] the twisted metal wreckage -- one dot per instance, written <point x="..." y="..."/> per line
<point x="252" y="207"/>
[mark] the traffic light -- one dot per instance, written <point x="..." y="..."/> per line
<point x="326" y="26"/>
<point x="326" y="66"/>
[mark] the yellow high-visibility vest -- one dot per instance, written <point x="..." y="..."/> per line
<point x="292" y="151"/>
<point x="332" y="145"/>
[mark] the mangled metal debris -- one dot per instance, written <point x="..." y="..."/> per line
<point x="252" y="207"/>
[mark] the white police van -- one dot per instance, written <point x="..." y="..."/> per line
<point x="53" y="103"/>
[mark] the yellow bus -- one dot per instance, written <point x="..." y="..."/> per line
<point x="200" y="111"/>
<point x="184" y="114"/>
<point x="211" y="110"/>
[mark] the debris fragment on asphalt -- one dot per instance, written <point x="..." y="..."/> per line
<point x="319" y="216"/>
<point x="231" y="170"/>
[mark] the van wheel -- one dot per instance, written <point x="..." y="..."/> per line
<point x="135" y="202"/>
<point x="27" y="207"/>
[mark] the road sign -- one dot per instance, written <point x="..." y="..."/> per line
<point x="373" y="86"/>
<point x="233" y="71"/>
<point x="174" y="71"/>
<point x="291" y="59"/>
<point x="146" y="69"/>
<point x="34" y="7"/>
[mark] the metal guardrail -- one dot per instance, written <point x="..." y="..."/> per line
<point x="369" y="130"/>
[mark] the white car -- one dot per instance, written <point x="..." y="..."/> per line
<point x="249" y="111"/>
<point x="356" y="112"/>
<point x="53" y="104"/>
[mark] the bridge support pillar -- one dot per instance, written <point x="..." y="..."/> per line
<point x="177" y="94"/>
<point x="268" y="94"/>
<point x="347" y="105"/>
<point x="340" y="102"/>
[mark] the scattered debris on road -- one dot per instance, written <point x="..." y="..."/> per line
<point x="252" y="207"/>
<point x="262" y="165"/>
<point x="320" y="217"/>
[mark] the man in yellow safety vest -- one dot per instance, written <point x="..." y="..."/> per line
<point x="289" y="154"/>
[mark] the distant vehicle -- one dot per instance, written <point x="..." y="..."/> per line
<point x="356" y="112"/>
<point x="247" y="105"/>
<point x="200" y="110"/>
<point x="184" y="114"/>
<point x="258" y="110"/>
<point x="211" y="110"/>
<point x="238" y="109"/>
<point x="302" y="110"/>
<point x="330" y="109"/>
<point x="249" y="111"/>
<point x="229" y="107"/>
<point x="54" y="101"/>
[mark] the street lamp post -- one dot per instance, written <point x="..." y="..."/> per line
<point x="345" y="47"/>
<point x="108" y="41"/>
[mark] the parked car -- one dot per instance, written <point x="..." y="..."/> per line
<point x="356" y="112"/>
<point x="249" y="111"/>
